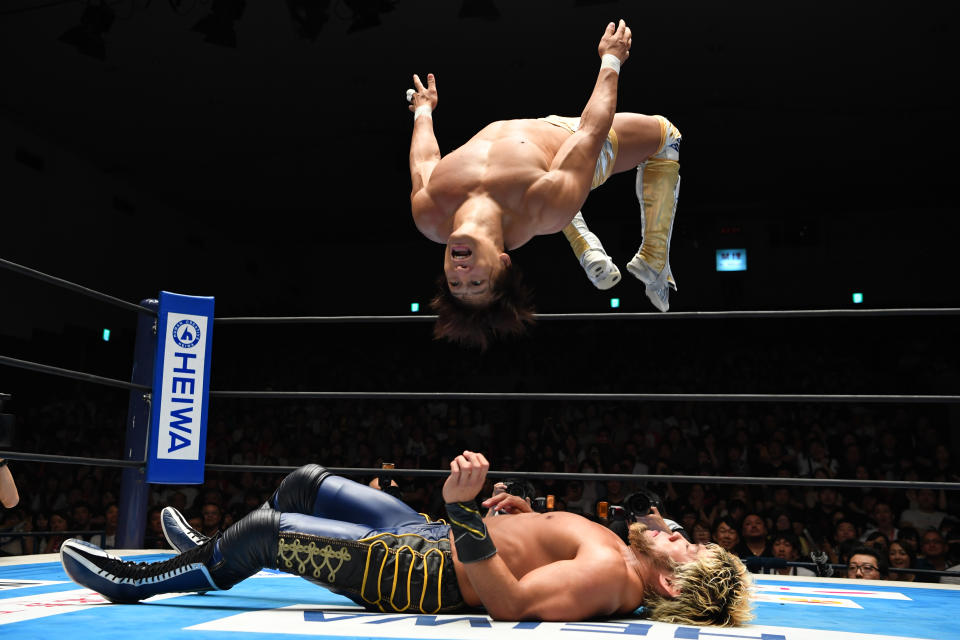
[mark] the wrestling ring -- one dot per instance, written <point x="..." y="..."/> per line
<point x="37" y="600"/>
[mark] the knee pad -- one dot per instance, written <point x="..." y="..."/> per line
<point x="245" y="548"/>
<point x="298" y="491"/>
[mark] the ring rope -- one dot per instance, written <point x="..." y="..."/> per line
<point x="530" y="475"/>
<point x="39" y="275"/>
<point x="429" y="395"/>
<point x="653" y="315"/>
<point x="70" y="373"/>
<point x="21" y="456"/>
<point x="605" y="397"/>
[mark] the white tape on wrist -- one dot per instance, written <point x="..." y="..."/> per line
<point x="610" y="61"/>
<point x="422" y="110"/>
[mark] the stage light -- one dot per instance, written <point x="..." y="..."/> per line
<point x="414" y="307"/>
<point x="614" y="303"/>
<point x="106" y="335"/>
<point x="218" y="27"/>
<point x="857" y="298"/>
<point x="87" y="38"/>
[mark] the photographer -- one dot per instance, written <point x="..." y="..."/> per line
<point x="509" y="497"/>
<point x="643" y="506"/>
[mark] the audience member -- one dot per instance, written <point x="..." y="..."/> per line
<point x="786" y="547"/>
<point x="925" y="515"/>
<point x="866" y="564"/>
<point x="901" y="556"/>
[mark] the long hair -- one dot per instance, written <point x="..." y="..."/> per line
<point x="509" y="312"/>
<point x="714" y="590"/>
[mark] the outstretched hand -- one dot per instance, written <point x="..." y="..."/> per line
<point x="468" y="472"/>
<point x="616" y="40"/>
<point x="654" y="520"/>
<point x="420" y="95"/>
<point x="507" y="503"/>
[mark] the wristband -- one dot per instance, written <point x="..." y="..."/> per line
<point x="469" y="533"/>
<point x="3" y="463"/>
<point x="422" y="110"/>
<point x="610" y="61"/>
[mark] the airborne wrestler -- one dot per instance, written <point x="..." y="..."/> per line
<point x="377" y="551"/>
<point x="516" y="179"/>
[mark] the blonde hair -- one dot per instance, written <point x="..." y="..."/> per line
<point x="714" y="590"/>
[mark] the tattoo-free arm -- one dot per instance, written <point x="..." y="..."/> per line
<point x="8" y="488"/>
<point x="424" y="149"/>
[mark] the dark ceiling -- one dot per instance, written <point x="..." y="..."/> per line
<point x="819" y="134"/>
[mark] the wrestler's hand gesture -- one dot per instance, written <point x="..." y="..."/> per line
<point x="421" y="95"/>
<point x="507" y="503"/>
<point x="468" y="472"/>
<point x="616" y="40"/>
<point x="654" y="520"/>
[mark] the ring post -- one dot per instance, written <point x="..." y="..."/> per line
<point x="134" y="492"/>
<point x="177" y="446"/>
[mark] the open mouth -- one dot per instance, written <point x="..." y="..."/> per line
<point x="460" y="252"/>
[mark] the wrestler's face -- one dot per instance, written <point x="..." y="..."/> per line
<point x="471" y="267"/>
<point x="675" y="546"/>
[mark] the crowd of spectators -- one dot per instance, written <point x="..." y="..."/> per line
<point x="906" y="529"/>
<point x="903" y="529"/>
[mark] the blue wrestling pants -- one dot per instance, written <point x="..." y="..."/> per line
<point x="355" y="540"/>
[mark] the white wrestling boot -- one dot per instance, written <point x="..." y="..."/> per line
<point x="599" y="267"/>
<point x="658" y="188"/>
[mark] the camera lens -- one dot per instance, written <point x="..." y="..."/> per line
<point x="639" y="505"/>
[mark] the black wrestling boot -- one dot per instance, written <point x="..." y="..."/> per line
<point x="178" y="532"/>
<point x="122" y="581"/>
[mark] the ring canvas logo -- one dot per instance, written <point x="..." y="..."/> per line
<point x="180" y="388"/>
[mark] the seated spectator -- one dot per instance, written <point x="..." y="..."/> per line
<point x="866" y="564"/>
<point x="80" y="519"/>
<point x="901" y="556"/>
<point x="725" y="533"/>
<point x="910" y="537"/>
<point x="153" y="538"/>
<point x="878" y="541"/>
<point x="108" y="539"/>
<point x="753" y="538"/>
<point x="786" y="546"/>
<point x="926" y="515"/>
<point x="700" y="533"/>
<point x="882" y="520"/>
<point x="212" y="519"/>
<point x="58" y="522"/>
<point x="934" y="550"/>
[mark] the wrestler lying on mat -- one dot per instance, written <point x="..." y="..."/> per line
<point x="380" y="553"/>
<point x="517" y="179"/>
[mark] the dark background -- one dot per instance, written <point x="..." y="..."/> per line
<point x="273" y="175"/>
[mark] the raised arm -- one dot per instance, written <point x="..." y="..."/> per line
<point x="565" y="187"/>
<point x="8" y="488"/>
<point x="574" y="589"/>
<point x="424" y="150"/>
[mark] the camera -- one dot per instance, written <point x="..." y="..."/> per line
<point x="521" y="488"/>
<point x="638" y="504"/>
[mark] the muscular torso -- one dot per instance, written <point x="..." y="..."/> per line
<point x="528" y="541"/>
<point x="501" y="162"/>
